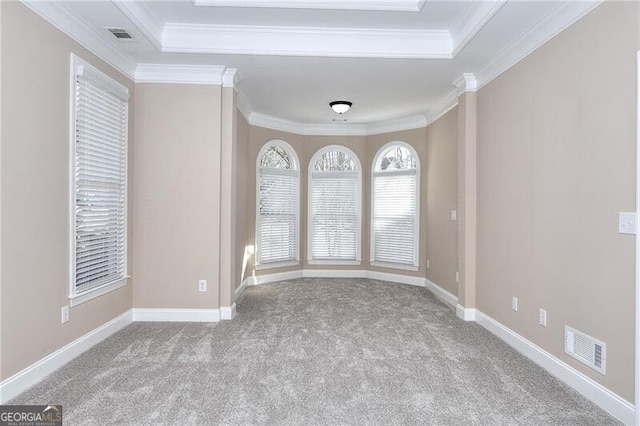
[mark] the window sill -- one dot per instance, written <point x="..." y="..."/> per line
<point x="277" y="265"/>
<point x="97" y="292"/>
<point x="334" y="262"/>
<point x="394" y="266"/>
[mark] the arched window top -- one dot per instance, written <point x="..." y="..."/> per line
<point x="277" y="154"/>
<point x="396" y="156"/>
<point x="335" y="159"/>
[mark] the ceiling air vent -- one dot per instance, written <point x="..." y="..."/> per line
<point x="585" y="348"/>
<point x="120" y="33"/>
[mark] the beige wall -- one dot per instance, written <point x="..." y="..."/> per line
<point x="365" y="147"/>
<point x="176" y="195"/>
<point x="243" y="186"/>
<point x="556" y="163"/>
<point x="228" y="165"/>
<point x="441" y="170"/>
<point x="35" y="193"/>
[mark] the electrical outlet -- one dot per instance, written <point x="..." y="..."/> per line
<point x="627" y="223"/>
<point x="65" y="314"/>
<point x="454" y="215"/>
<point x="428" y="264"/>
<point x="202" y="285"/>
<point x="514" y="303"/>
<point x="457" y="276"/>
<point x="542" y="317"/>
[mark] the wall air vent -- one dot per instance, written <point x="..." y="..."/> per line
<point x="120" y="33"/>
<point x="585" y="349"/>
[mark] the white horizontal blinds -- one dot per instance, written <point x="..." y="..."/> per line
<point x="334" y="215"/>
<point x="99" y="179"/>
<point x="395" y="206"/>
<point x="278" y="216"/>
<point x="394" y="218"/>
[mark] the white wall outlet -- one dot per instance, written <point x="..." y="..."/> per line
<point x="202" y="285"/>
<point x="627" y="223"/>
<point x="514" y="303"/>
<point x="542" y="317"/>
<point x="457" y="277"/>
<point x="454" y="215"/>
<point x="65" y="314"/>
<point x="428" y="264"/>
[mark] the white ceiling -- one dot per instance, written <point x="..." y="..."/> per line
<point x="396" y="60"/>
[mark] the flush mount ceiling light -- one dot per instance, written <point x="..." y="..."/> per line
<point x="340" y="107"/>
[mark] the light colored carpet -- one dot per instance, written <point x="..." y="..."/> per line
<point x="314" y="351"/>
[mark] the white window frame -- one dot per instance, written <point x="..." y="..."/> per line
<point x="358" y="167"/>
<point x="374" y="172"/>
<point x="80" y="67"/>
<point x="296" y="163"/>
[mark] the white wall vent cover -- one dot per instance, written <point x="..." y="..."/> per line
<point x="585" y="349"/>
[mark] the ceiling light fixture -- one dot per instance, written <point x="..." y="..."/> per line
<point x="340" y="107"/>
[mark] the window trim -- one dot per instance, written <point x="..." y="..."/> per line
<point x="416" y="244"/>
<point x="296" y="163"/>
<point x="358" y="171"/>
<point x="78" y="65"/>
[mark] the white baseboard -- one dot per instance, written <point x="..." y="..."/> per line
<point x="442" y="294"/>
<point x="228" y="312"/>
<point x="331" y="273"/>
<point x="396" y="278"/>
<point x="176" y="315"/>
<point x="272" y="278"/>
<point x="601" y="396"/>
<point x="33" y="374"/>
<point x="240" y="290"/>
<point x="467" y="314"/>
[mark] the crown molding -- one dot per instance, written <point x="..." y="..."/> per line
<point x="385" y="5"/>
<point x="180" y="74"/>
<point x="475" y="17"/>
<point x="275" y="123"/>
<point x="397" y="125"/>
<point x="243" y="104"/>
<point x="141" y="15"/>
<point x="342" y="129"/>
<point x="557" y="20"/>
<point x="444" y="106"/>
<point x="97" y="42"/>
<point x="306" y="41"/>
<point x="229" y="77"/>
<point x="466" y="83"/>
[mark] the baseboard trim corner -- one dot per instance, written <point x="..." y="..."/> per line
<point x="228" y="312"/>
<point x="589" y="388"/>
<point x="467" y="314"/>
<point x="176" y="315"/>
<point x="23" y="380"/>
<point x="442" y="294"/>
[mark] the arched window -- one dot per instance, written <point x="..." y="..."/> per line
<point x="277" y="205"/>
<point x="395" y="190"/>
<point x="335" y="184"/>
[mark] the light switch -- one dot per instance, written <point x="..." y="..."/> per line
<point x="627" y="223"/>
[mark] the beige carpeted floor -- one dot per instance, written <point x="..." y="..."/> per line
<point x="314" y="351"/>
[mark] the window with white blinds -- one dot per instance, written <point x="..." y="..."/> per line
<point x="395" y="204"/>
<point x="334" y="206"/>
<point x="99" y="179"/>
<point x="277" y="220"/>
